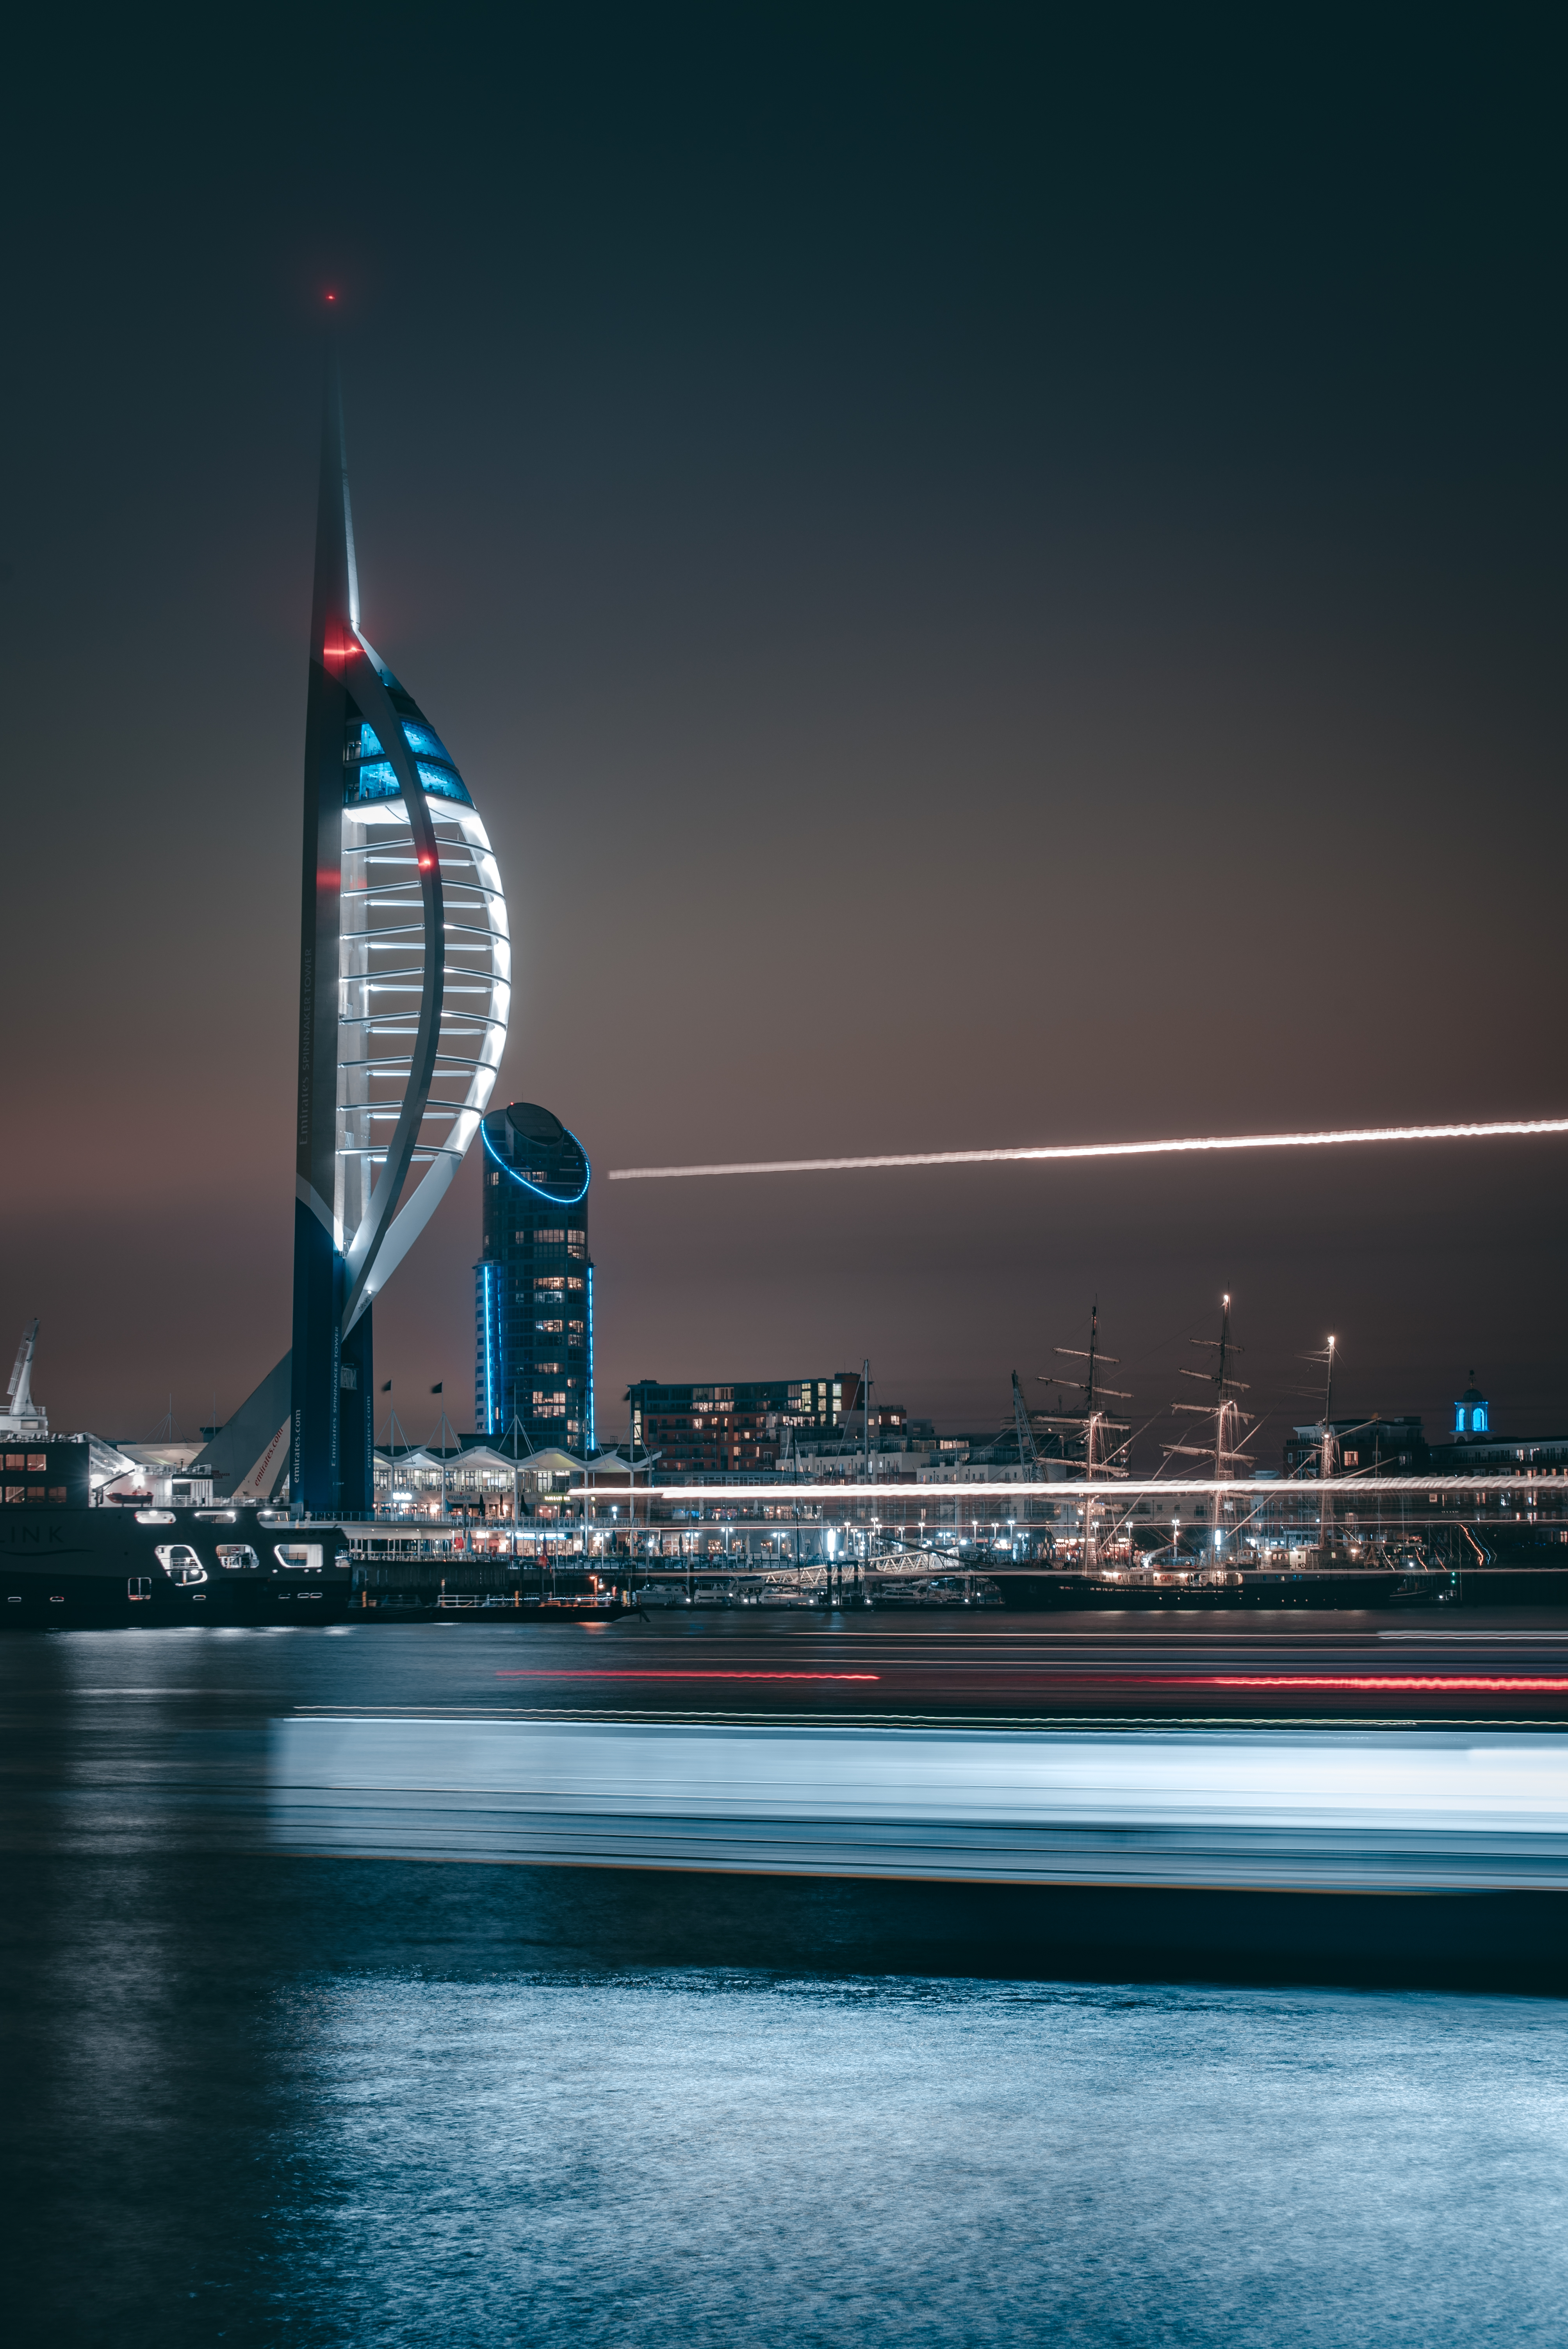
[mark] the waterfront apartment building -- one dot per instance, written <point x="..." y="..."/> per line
<point x="534" y="1284"/>
<point x="1362" y="1447"/>
<point x="726" y="1426"/>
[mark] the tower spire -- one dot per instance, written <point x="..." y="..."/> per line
<point x="335" y="605"/>
<point x="316" y="1462"/>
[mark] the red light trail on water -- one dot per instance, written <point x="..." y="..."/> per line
<point x="1463" y="1683"/>
<point x="1380" y="1683"/>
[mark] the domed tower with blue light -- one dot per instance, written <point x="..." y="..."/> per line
<point x="534" y="1284"/>
<point x="1473" y="1413"/>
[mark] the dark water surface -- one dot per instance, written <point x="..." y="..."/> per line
<point x="257" y="2098"/>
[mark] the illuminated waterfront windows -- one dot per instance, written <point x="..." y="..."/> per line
<point x="702" y="1427"/>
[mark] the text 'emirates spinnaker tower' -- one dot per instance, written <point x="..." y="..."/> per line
<point x="405" y="990"/>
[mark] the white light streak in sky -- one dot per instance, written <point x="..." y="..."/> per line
<point x="1490" y="1131"/>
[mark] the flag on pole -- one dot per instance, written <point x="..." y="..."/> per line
<point x="438" y="1385"/>
<point x="387" y="1387"/>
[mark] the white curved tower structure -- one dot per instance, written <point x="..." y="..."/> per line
<point x="405" y="990"/>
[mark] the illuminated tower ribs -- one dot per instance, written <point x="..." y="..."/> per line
<point x="384" y="975"/>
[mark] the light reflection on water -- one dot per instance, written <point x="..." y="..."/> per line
<point x="675" y="2157"/>
<point x="254" y="2098"/>
<point x="404" y="2155"/>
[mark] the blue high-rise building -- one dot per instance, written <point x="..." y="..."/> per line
<point x="534" y="1284"/>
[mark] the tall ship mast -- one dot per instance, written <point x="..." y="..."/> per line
<point x="1231" y="1422"/>
<point x="1088" y="1433"/>
<point x="1326" y="1452"/>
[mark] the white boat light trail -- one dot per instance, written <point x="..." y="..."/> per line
<point x="1493" y="1128"/>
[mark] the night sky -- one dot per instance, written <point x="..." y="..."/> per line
<point x="996" y="576"/>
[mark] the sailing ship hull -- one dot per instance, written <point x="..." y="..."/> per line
<point x="1351" y="1590"/>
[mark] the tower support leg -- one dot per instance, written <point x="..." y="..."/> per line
<point x="315" y="1463"/>
<point x="357" y="1419"/>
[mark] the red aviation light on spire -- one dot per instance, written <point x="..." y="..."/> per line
<point x="341" y="645"/>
